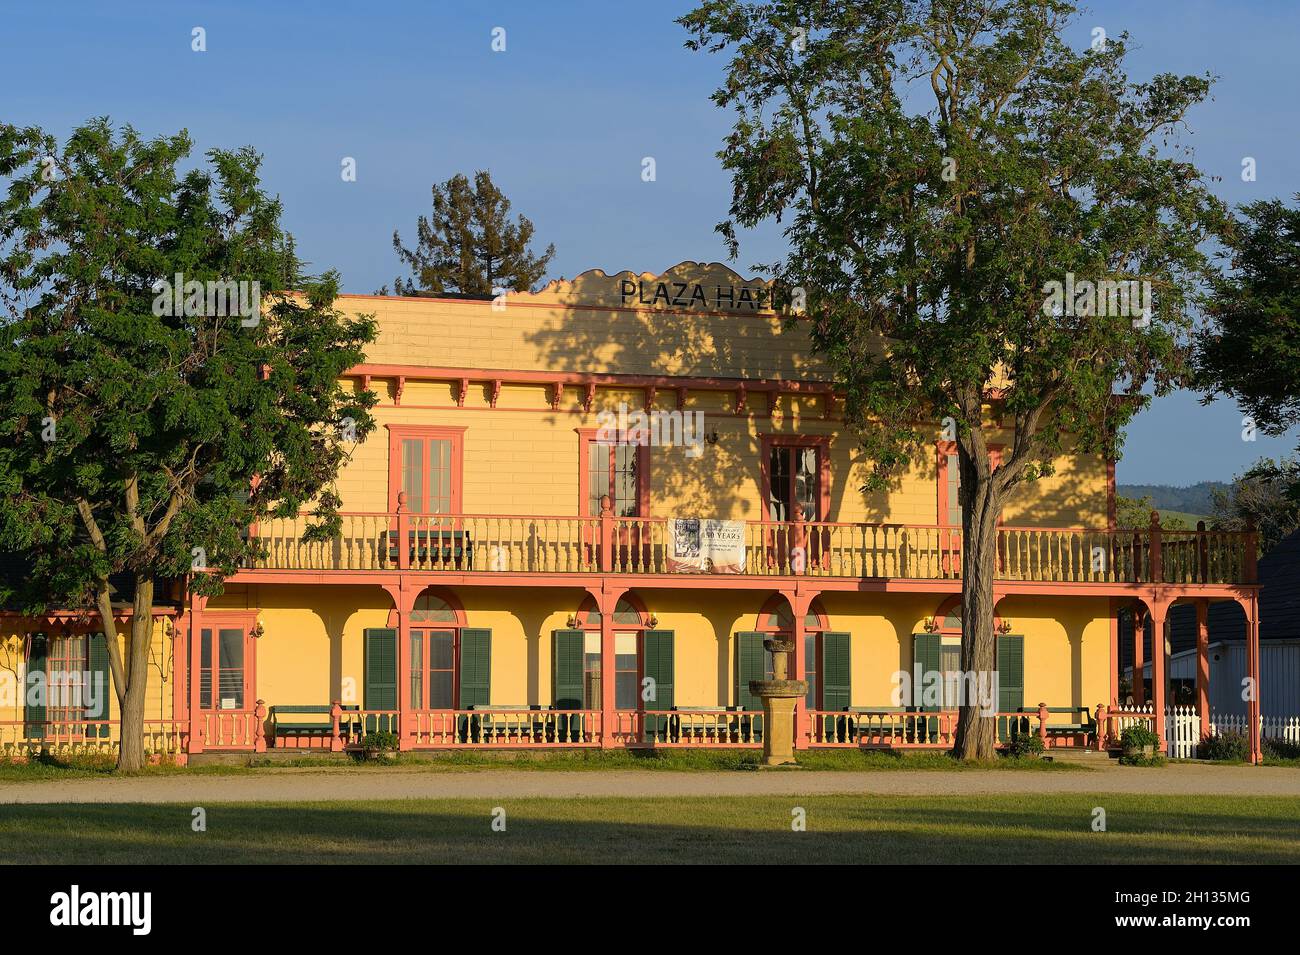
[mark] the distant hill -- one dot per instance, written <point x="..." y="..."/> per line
<point x="1196" y="499"/>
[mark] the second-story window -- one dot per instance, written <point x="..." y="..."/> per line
<point x="425" y="464"/>
<point x="793" y="483"/>
<point x="952" y="489"/>
<point x="950" y="507"/>
<point x="616" y="470"/>
<point x="426" y="474"/>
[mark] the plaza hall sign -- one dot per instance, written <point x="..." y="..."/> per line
<point x="702" y="295"/>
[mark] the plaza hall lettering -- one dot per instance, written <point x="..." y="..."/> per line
<point x="693" y="295"/>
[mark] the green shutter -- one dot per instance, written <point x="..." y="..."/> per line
<point x="835" y="673"/>
<point x="566" y="669"/>
<point x="381" y="669"/>
<point x="475" y="668"/>
<point x="34" y="713"/>
<point x="657" y="665"/>
<point x="100" y="685"/>
<point x="926" y="658"/>
<point x="1011" y="673"/>
<point x="751" y="664"/>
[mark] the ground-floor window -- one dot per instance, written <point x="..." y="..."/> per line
<point x="627" y="670"/>
<point x="433" y="665"/>
<point x="67" y="682"/>
<point x="65" y="667"/>
<point x="630" y="625"/>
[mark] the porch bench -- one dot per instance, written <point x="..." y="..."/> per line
<point x="486" y="728"/>
<point x="444" y="548"/>
<point x="853" y="727"/>
<point x="706" y="732"/>
<point x="297" y="728"/>
<point x="1087" y="727"/>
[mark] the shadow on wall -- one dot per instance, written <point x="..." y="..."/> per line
<point x="739" y="344"/>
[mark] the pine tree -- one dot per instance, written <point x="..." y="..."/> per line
<point x="470" y="245"/>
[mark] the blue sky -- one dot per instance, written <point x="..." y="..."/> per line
<point x="414" y="93"/>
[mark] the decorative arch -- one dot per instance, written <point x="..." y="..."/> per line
<point x="947" y="616"/>
<point x="629" y="614"/>
<point x="433" y="606"/>
<point x="776" y="616"/>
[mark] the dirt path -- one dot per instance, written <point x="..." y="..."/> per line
<point x="314" y="785"/>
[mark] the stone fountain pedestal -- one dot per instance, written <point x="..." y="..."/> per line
<point x="778" y="695"/>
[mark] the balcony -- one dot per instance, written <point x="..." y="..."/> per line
<point x="486" y="544"/>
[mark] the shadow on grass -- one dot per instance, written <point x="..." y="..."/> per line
<point x="840" y="829"/>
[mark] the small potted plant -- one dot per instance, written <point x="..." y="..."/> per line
<point x="1139" y="742"/>
<point x="376" y="746"/>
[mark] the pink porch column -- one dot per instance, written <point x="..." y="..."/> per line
<point x="1203" y="664"/>
<point x="1158" y="688"/>
<point x="197" y="605"/>
<point x="1253" y="708"/>
<point x="799" y="604"/>
<point x="403" y="602"/>
<point x="607" y="600"/>
<point x="1114" y="654"/>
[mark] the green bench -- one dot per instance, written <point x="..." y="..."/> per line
<point x="857" y="725"/>
<point x="1086" y="727"/>
<point x="487" y="724"/>
<point x="297" y="727"/>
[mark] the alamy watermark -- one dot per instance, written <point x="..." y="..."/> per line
<point x="670" y="429"/>
<point x="213" y="298"/>
<point x="1105" y="298"/>
<point x="57" y="689"/>
<point x="942" y="689"/>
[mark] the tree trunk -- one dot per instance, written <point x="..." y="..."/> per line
<point x="131" y="697"/>
<point x="977" y="733"/>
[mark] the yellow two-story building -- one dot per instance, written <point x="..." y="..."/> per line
<point x="584" y="510"/>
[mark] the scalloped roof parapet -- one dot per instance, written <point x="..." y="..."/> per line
<point x="687" y="286"/>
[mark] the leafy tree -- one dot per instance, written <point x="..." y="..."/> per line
<point x="1136" y="512"/>
<point x="470" y="245"/>
<point x="1265" y="495"/>
<point x="1251" y="349"/>
<point x="937" y="163"/>
<point x="143" y="434"/>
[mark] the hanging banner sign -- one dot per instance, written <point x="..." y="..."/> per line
<point x="703" y="546"/>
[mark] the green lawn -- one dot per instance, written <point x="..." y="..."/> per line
<point x="840" y="829"/>
<point x="703" y="760"/>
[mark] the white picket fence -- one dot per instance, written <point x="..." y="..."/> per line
<point x="1183" y="726"/>
<point x="1182" y="731"/>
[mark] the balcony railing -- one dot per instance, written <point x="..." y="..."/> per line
<point x="501" y="543"/>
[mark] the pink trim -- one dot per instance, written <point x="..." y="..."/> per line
<point x="585" y="379"/>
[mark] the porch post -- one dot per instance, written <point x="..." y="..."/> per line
<point x="195" y="740"/>
<point x="607" y="600"/>
<point x="1253" y="708"/>
<point x="1203" y="664"/>
<point x="1158" y="688"/>
<point x="799" y="604"/>
<point x="1113" y="698"/>
<point x="403" y="601"/>
<point x="1139" y="655"/>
